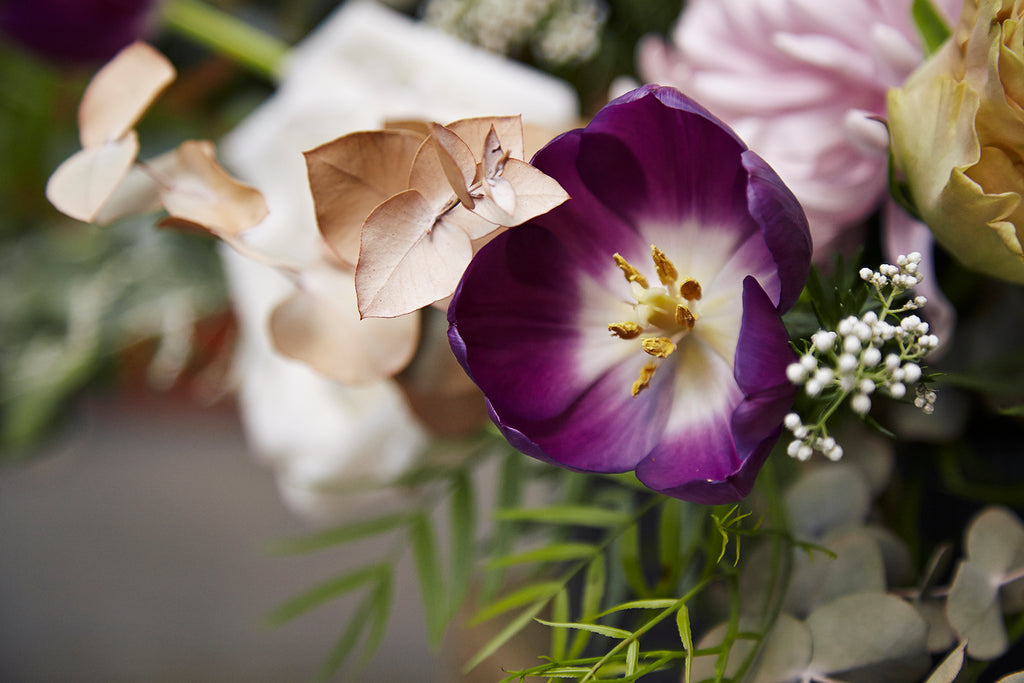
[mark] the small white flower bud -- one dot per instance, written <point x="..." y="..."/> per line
<point x="851" y="345"/>
<point x="892" y="361"/>
<point x="928" y="409"/>
<point x="823" y="376"/>
<point x="813" y="387"/>
<point x="835" y="453"/>
<point x="914" y="257"/>
<point x="901" y="260"/>
<point x="809" y="362"/>
<point x="866" y="274"/>
<point x="871" y="356"/>
<point x="866" y="386"/>
<point x="845" y="327"/>
<point x="861" y="404"/>
<point x="920" y="301"/>
<point x="847" y="382"/>
<point x="804" y="452"/>
<point x="792" y="421"/>
<point x="796" y="373"/>
<point x="793" y="448"/>
<point x="869" y="318"/>
<point x="801" y="432"/>
<point x="847" y="363"/>
<point x="898" y="390"/>
<point x="823" y="340"/>
<point x="910" y="323"/>
<point x="911" y="373"/>
<point x="826" y="444"/>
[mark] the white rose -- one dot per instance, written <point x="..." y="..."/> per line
<point x="365" y="64"/>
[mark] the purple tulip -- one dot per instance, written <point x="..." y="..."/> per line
<point x="637" y="326"/>
<point x="76" y="30"/>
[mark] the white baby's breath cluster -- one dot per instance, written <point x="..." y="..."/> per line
<point x="865" y="354"/>
<point x="560" y="31"/>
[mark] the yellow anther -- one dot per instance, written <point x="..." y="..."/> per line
<point x="659" y="347"/>
<point x="626" y="330"/>
<point x="690" y="290"/>
<point x="667" y="272"/>
<point x="629" y="270"/>
<point x="684" y="318"/>
<point x="646" y="373"/>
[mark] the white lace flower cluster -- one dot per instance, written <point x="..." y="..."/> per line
<point x="863" y="355"/>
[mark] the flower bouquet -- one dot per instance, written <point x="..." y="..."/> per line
<point x="722" y="382"/>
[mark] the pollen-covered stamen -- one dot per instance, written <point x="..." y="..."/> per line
<point x="665" y="312"/>
<point x="646" y="373"/>
<point x="685" y="318"/>
<point x="626" y="330"/>
<point x="667" y="272"/>
<point x="629" y="270"/>
<point x="659" y="347"/>
<point x="690" y="290"/>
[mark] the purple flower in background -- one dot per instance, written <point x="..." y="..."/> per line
<point x="76" y="30"/>
<point x="637" y="326"/>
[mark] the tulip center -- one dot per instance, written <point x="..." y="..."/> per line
<point x="664" y="313"/>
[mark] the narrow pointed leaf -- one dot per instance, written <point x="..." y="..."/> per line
<point x="632" y="657"/>
<point x="428" y="570"/>
<point x="346" y="643"/>
<point x="594" y="582"/>
<point x="462" y="561"/>
<point x="120" y="93"/>
<point x="560" y="636"/>
<point x="506" y="634"/>
<point x="577" y="515"/>
<point x="561" y="552"/>
<point x="523" y="596"/>
<point x="326" y="591"/>
<point x="509" y="495"/>
<point x="629" y="553"/>
<point x="930" y="25"/>
<point x="686" y="638"/>
<point x="599" y="629"/>
<point x="382" y="597"/>
<point x="339" y="535"/>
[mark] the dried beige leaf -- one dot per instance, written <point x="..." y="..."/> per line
<point x="535" y="193"/>
<point x="408" y="258"/>
<point x="456" y="160"/>
<point x="350" y="176"/>
<point x="199" y="192"/>
<point x="320" y="326"/>
<point x="120" y="93"/>
<point x="473" y="132"/>
<point x="86" y="180"/>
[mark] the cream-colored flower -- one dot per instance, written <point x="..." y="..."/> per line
<point x="957" y="129"/>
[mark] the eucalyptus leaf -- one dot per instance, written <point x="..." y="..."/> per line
<point x="1012" y="678"/>
<point x="995" y="541"/>
<point x="947" y="671"/>
<point x="787" y="651"/>
<point x="973" y="611"/>
<point x="828" y="498"/>
<point x="869" y="630"/>
<point x="858" y="567"/>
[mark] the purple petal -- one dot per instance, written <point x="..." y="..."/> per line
<point x="784" y="226"/>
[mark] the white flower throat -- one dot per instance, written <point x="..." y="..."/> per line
<point x="664" y="314"/>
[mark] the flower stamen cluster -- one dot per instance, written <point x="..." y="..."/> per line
<point x="664" y="314"/>
<point x="863" y="355"/>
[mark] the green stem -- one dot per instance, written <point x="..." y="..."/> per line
<point x="223" y="33"/>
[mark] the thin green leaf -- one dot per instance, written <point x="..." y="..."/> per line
<point x="504" y="635"/>
<point x="578" y="515"/>
<point x="670" y="541"/>
<point x="930" y="25"/>
<point x="559" y="636"/>
<point x="462" y="517"/>
<point x="324" y="592"/>
<point x="593" y="593"/>
<point x="428" y="569"/>
<point x="561" y="552"/>
<point x="523" y="596"/>
<point x="609" y="631"/>
<point x="339" y="535"/>
<point x="382" y="598"/>
<point x="629" y="551"/>
<point x="632" y="657"/>
<point x="346" y="644"/>
<point x="509" y="495"/>
<point x="686" y="638"/>
<point x="663" y="603"/>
